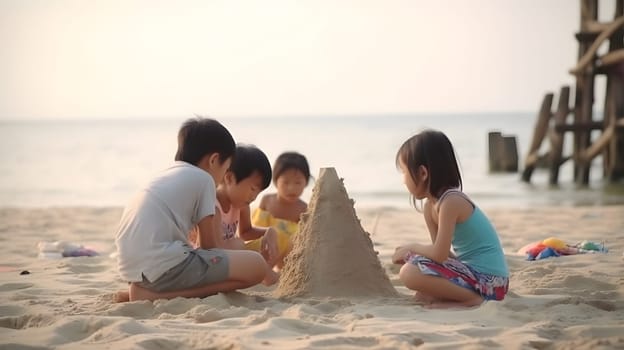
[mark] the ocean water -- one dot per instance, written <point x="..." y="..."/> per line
<point x="103" y="162"/>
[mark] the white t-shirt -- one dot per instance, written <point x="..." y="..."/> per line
<point x="152" y="234"/>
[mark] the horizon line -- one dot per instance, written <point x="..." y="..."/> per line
<point x="258" y="116"/>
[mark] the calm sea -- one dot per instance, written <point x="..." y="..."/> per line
<point x="102" y="162"/>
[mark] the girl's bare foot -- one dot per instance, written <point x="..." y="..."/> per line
<point x="423" y="298"/>
<point x="455" y="304"/>
<point x="122" y="296"/>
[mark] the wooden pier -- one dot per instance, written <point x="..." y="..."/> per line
<point x="579" y="119"/>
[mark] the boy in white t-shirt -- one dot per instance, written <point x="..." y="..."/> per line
<point x="154" y="253"/>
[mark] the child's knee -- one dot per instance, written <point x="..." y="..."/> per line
<point x="406" y="271"/>
<point x="257" y="265"/>
<point x="247" y="265"/>
<point x="410" y="276"/>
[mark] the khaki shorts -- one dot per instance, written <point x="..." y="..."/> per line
<point x="201" y="267"/>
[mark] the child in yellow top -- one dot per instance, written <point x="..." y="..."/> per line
<point x="282" y="210"/>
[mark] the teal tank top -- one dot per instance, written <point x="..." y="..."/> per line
<point x="476" y="243"/>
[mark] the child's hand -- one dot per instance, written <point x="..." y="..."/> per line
<point x="400" y="255"/>
<point x="269" y="246"/>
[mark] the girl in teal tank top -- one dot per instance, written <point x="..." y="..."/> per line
<point x="477" y="270"/>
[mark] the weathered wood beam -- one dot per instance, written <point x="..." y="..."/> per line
<point x="586" y="156"/>
<point x="539" y="132"/>
<point x="610" y="58"/>
<point x="596" y="27"/>
<point x="556" y="138"/>
<point x="589" y="55"/>
<point x="579" y="126"/>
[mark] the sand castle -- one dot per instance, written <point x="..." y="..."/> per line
<point x="332" y="255"/>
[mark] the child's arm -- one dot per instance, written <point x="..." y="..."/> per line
<point x="448" y="213"/>
<point x="210" y="235"/>
<point x="248" y="232"/>
<point x="234" y="243"/>
<point x="438" y="251"/>
<point x="402" y="252"/>
<point x="432" y="226"/>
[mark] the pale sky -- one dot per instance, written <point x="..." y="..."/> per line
<point x="119" y="59"/>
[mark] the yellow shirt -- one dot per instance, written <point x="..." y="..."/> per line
<point x="265" y="219"/>
<point x="285" y="230"/>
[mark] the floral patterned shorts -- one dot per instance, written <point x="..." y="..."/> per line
<point x="490" y="287"/>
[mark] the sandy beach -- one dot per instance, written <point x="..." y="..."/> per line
<point x="572" y="302"/>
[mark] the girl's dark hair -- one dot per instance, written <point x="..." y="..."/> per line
<point x="291" y="160"/>
<point x="199" y="137"/>
<point x="249" y="159"/>
<point x="433" y="150"/>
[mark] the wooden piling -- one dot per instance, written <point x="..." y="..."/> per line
<point x="503" y="152"/>
<point x="613" y="155"/>
<point x="584" y="96"/>
<point x="556" y="137"/>
<point x="610" y="143"/>
<point x="539" y="132"/>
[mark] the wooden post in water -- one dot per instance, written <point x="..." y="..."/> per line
<point x="510" y="152"/>
<point x="503" y="152"/>
<point x="613" y="154"/>
<point x="610" y="143"/>
<point x="539" y="132"/>
<point x="584" y="97"/>
<point x="556" y="137"/>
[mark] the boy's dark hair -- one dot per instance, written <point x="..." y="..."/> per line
<point x="433" y="150"/>
<point x="200" y="136"/>
<point x="249" y="159"/>
<point x="291" y="160"/>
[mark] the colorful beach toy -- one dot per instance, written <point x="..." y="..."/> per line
<point x="554" y="247"/>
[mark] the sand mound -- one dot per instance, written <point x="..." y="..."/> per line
<point x="332" y="254"/>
